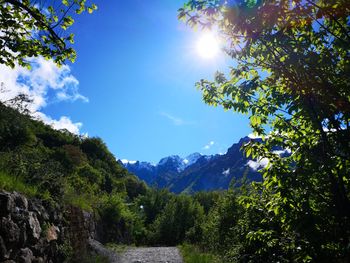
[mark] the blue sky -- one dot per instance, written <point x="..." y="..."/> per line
<point x="137" y="66"/>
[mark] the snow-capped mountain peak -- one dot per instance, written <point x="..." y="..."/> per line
<point x="170" y="159"/>
<point x="191" y="159"/>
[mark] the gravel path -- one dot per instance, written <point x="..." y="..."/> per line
<point x="139" y="255"/>
<point x="152" y="255"/>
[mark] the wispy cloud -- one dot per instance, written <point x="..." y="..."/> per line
<point x="175" y="120"/>
<point x="209" y="145"/>
<point x="44" y="83"/>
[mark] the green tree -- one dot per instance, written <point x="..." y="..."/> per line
<point x="292" y="76"/>
<point x="118" y="222"/>
<point x="180" y="221"/>
<point x="152" y="203"/>
<point x="207" y="199"/>
<point x="38" y="28"/>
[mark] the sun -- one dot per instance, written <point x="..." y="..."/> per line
<point x="208" y="45"/>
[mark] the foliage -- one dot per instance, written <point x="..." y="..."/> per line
<point x="292" y="76"/>
<point x="181" y="220"/>
<point x="32" y="29"/>
<point x="66" y="250"/>
<point x="134" y="187"/>
<point x="115" y="216"/>
<point x="13" y="129"/>
<point x="193" y="254"/>
<point x="207" y="199"/>
<point x="11" y="183"/>
<point x="152" y="203"/>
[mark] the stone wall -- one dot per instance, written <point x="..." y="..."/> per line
<point x="35" y="231"/>
<point x="80" y="229"/>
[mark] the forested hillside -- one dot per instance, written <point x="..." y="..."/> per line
<point x="58" y="164"/>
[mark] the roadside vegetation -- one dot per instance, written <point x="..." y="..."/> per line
<point x="194" y="254"/>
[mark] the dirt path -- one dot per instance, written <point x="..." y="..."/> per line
<point x="139" y="255"/>
<point x="152" y="255"/>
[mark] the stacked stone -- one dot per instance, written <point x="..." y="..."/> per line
<point x="29" y="232"/>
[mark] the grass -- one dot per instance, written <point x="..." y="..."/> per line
<point x="80" y="201"/>
<point x="193" y="254"/>
<point x="11" y="183"/>
<point x="84" y="201"/>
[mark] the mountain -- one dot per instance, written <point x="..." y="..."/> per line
<point x="162" y="174"/>
<point x="198" y="172"/>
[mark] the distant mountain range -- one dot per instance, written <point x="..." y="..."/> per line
<point x="199" y="172"/>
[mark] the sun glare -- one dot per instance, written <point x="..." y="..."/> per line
<point x="208" y="46"/>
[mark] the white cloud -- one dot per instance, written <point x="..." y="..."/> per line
<point x="282" y="152"/>
<point x="263" y="162"/>
<point x="256" y="165"/>
<point x="254" y="136"/>
<point x="63" y="123"/>
<point x="44" y="83"/>
<point x="125" y="161"/>
<point x="209" y="145"/>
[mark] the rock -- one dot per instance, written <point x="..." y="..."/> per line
<point x="39" y="247"/>
<point x="9" y="231"/>
<point x="23" y="233"/>
<point x="36" y="206"/>
<point x="34" y="225"/>
<point x="38" y="260"/>
<point x="6" y="203"/>
<point x="20" y="201"/>
<point x="52" y="233"/>
<point x="3" y="251"/>
<point x="26" y="256"/>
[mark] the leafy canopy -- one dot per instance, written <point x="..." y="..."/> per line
<point x="38" y="28"/>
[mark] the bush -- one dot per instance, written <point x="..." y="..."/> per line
<point x="193" y="254"/>
<point x="181" y="220"/>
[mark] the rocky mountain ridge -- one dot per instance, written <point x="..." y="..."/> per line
<point x="198" y="172"/>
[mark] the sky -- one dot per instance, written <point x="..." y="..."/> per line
<point x="133" y="84"/>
